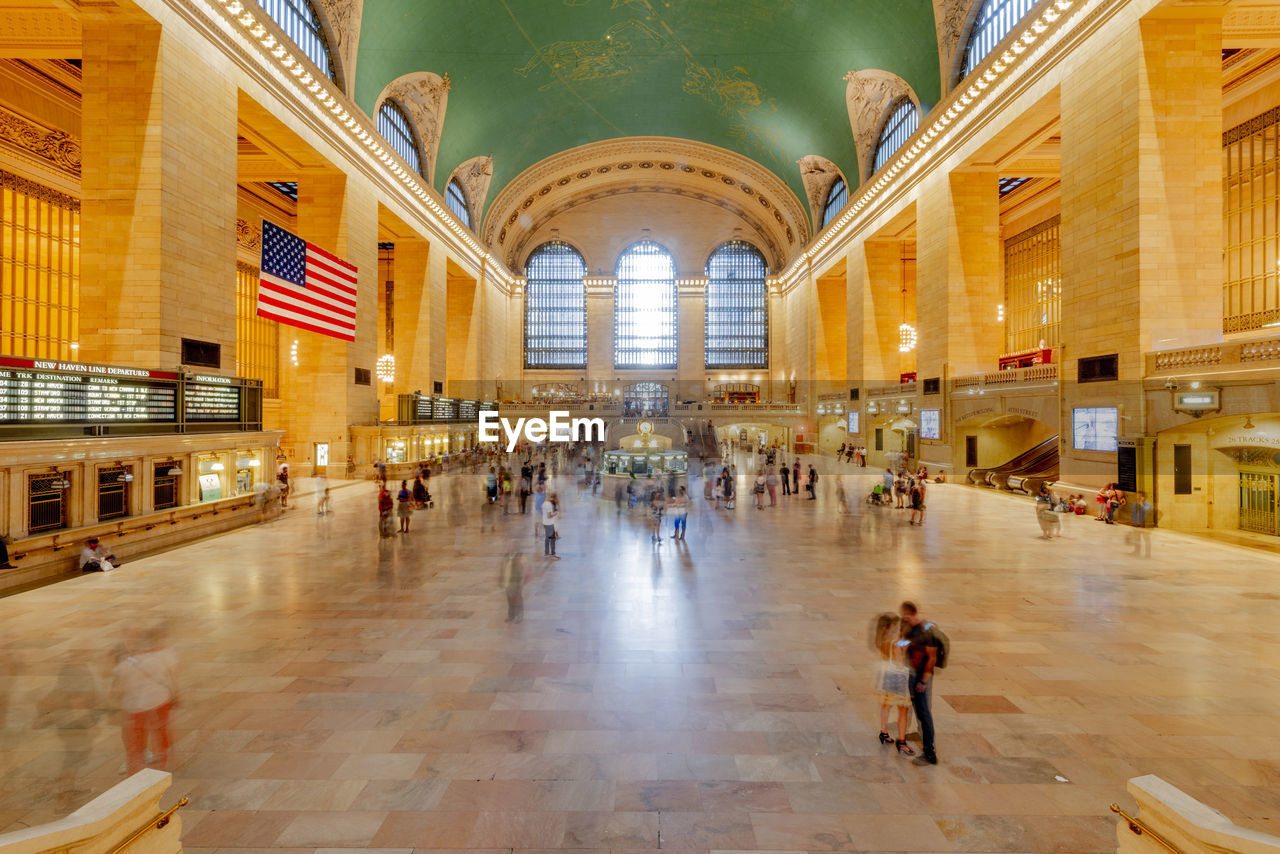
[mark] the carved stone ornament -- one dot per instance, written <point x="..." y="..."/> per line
<point x="248" y="236"/>
<point x="38" y="191"/>
<point x="56" y="146"/>
<point x="869" y="94"/>
<point x="423" y="96"/>
<point x="818" y="174"/>
<point x="343" y="18"/>
<point x="950" y="17"/>
<point x="474" y="175"/>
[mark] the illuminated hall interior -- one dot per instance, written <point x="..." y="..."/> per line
<point x="1020" y="245"/>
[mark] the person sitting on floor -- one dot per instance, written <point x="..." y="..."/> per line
<point x="95" y="557"/>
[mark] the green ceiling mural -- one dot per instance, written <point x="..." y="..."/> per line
<point x="534" y="77"/>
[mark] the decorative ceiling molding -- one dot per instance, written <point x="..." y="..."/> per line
<point x="648" y="164"/>
<point x="953" y="19"/>
<point x="57" y="147"/>
<point x="869" y="96"/>
<point x="342" y="19"/>
<point x="39" y="31"/>
<point x="38" y="191"/>
<point x="423" y="96"/>
<point x="474" y="175"/>
<point x="1251" y="23"/>
<point x="818" y="174"/>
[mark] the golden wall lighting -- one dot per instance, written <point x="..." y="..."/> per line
<point x="386" y="368"/>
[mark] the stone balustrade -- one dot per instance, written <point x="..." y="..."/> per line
<point x="1169" y="819"/>
<point x="898" y="390"/>
<point x="1212" y="356"/>
<point x="127" y="815"/>
<point x="1033" y="375"/>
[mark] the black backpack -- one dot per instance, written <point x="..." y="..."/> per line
<point x="944" y="644"/>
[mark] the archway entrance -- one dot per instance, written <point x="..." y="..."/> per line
<point x="645" y="400"/>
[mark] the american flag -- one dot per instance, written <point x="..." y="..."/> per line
<point x="304" y="286"/>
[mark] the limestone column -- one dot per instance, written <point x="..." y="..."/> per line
<point x="323" y="397"/>
<point x="875" y="305"/>
<point x="959" y="278"/>
<point x="691" y="350"/>
<point x="1142" y="230"/>
<point x="411" y="313"/>
<point x="437" y="328"/>
<point x="600" y="299"/>
<point x="158" y="246"/>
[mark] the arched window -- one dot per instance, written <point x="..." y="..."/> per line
<point x="555" y="308"/>
<point x="837" y="198"/>
<point x="994" y="21"/>
<point x="737" y="307"/>
<point x="903" y="120"/>
<point x="456" y="198"/>
<point x="397" y="130"/>
<point x="644" y="308"/>
<point x="300" y="22"/>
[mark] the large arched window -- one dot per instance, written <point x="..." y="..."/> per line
<point x="903" y="120"/>
<point x="555" y="308"/>
<point x="397" y="130"/>
<point x="644" y="308"/>
<point x="994" y="21"/>
<point x="456" y="198"/>
<point x="837" y="198"/>
<point x="737" y="307"/>
<point x="300" y="22"/>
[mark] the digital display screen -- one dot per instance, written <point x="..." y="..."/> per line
<point x="36" y="397"/>
<point x="209" y="402"/>
<point x="854" y="427"/>
<point x="1095" y="428"/>
<point x="930" y="424"/>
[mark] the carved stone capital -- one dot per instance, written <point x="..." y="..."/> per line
<point x="951" y="18"/>
<point x="343" y="23"/>
<point x="869" y="94"/>
<point x="248" y="237"/>
<point x="818" y="174"/>
<point x="474" y="175"/>
<point x="423" y="96"/>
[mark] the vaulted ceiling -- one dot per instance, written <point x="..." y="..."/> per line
<point x="532" y="78"/>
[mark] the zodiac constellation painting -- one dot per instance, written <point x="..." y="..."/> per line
<point x="638" y="42"/>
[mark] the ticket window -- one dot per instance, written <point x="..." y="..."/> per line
<point x="396" y="451"/>
<point x="247" y="467"/>
<point x="209" y="471"/>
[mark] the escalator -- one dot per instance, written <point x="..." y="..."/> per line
<point x="1023" y="473"/>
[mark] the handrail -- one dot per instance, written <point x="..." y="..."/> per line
<point x="154" y="824"/>
<point x="1138" y="828"/>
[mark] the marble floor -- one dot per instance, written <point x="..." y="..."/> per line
<point x="346" y="692"/>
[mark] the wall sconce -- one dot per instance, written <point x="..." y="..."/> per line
<point x="254" y="463"/>
<point x="175" y="471"/>
<point x="217" y="467"/>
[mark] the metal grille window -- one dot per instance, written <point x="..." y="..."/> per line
<point x="113" y="492"/>
<point x="644" y="313"/>
<point x="257" y="338"/>
<point x="1251" y="285"/>
<point x="396" y="129"/>
<point x="903" y="120"/>
<point x="39" y="270"/>
<point x="300" y="22"/>
<point x="46" y="502"/>
<point x="995" y="19"/>
<point x="456" y="199"/>
<point x="555" y="308"/>
<point x="837" y="198"/>
<point x="1033" y="287"/>
<point x="737" y="307"/>
<point x="165" y="491"/>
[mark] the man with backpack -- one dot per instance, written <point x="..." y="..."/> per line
<point x="927" y="649"/>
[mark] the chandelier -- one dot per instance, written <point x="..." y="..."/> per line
<point x="386" y="368"/>
<point x="906" y="338"/>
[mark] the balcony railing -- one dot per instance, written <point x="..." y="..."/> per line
<point x="1209" y="357"/>
<point x="1006" y="380"/>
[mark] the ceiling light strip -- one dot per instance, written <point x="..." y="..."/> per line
<point x="359" y="131"/>
<point x="1001" y="67"/>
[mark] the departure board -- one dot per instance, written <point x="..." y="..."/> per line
<point x="442" y="408"/>
<point x="35" y="396"/>
<point x="211" y="399"/>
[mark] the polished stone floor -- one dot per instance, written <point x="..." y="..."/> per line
<point x="341" y="691"/>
